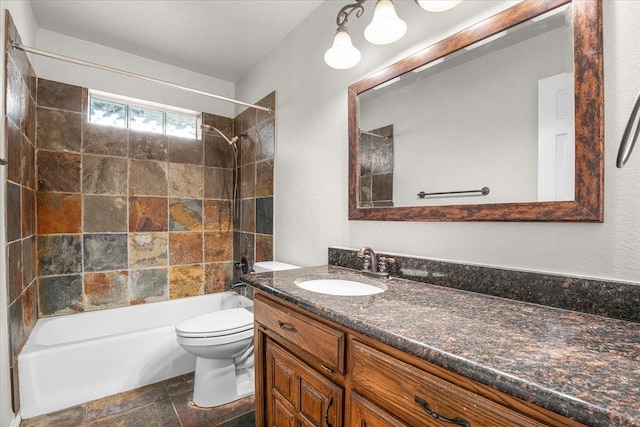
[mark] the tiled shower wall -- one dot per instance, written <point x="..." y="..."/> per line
<point x="20" y="125"/>
<point x="127" y="217"/>
<point x="375" y="157"/>
<point x="253" y="219"/>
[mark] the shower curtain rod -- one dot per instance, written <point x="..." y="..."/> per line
<point x="134" y="75"/>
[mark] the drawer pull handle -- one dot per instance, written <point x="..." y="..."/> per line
<point x="458" y="421"/>
<point x="326" y="412"/>
<point x="287" y="327"/>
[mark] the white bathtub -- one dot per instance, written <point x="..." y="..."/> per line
<point x="69" y="360"/>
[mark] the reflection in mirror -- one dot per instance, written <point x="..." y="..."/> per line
<point x="496" y="114"/>
<point x="493" y="128"/>
<point x="376" y="167"/>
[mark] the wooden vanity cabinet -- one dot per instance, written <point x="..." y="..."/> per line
<point x="312" y="372"/>
<point x="299" y="368"/>
<point x="297" y="394"/>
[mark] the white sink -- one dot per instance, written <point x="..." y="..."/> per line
<point x="339" y="287"/>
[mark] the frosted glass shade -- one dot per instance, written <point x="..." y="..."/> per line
<point x="438" y="5"/>
<point x="342" y="54"/>
<point x="385" y="27"/>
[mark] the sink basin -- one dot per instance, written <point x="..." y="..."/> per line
<point x="339" y="287"/>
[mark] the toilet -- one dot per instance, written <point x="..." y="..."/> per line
<point x="222" y="342"/>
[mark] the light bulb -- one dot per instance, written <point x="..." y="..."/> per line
<point x="385" y="27"/>
<point x="342" y="54"/>
<point x="438" y="5"/>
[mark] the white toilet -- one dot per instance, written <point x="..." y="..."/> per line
<point x="217" y="339"/>
<point x="222" y="342"/>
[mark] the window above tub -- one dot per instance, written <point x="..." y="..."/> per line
<point x="119" y="111"/>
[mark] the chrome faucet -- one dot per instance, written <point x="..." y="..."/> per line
<point x="370" y="259"/>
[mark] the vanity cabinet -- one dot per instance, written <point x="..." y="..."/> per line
<point x="297" y="395"/>
<point x="313" y="372"/>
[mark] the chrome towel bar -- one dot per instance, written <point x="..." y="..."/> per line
<point x="484" y="191"/>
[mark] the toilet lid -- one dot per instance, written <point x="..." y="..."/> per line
<point x="224" y="322"/>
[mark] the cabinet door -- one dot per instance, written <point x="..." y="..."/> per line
<point x="366" y="414"/>
<point x="297" y="395"/>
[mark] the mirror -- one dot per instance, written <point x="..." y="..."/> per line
<point x="500" y="122"/>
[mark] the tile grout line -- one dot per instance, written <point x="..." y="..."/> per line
<point x="173" y="405"/>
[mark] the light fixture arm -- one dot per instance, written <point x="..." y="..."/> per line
<point x="345" y="12"/>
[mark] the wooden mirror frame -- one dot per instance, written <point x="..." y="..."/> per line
<point x="589" y="123"/>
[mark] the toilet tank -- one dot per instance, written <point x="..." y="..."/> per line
<point x="262" y="267"/>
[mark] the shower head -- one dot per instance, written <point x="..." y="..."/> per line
<point x="209" y="128"/>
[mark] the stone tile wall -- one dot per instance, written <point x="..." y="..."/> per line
<point x="20" y="128"/>
<point x="127" y="217"/>
<point x="253" y="217"/>
<point x="375" y="157"/>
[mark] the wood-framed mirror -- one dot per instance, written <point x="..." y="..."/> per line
<point x="392" y="180"/>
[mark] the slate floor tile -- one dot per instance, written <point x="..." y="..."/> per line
<point x="71" y="417"/>
<point x="125" y="401"/>
<point x="156" y="414"/>
<point x="193" y="416"/>
<point x="163" y="404"/>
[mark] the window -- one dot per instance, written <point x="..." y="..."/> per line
<point x="113" y="110"/>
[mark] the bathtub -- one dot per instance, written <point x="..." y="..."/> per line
<point x="68" y="360"/>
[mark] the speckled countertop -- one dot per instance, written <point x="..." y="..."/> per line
<point x="579" y="365"/>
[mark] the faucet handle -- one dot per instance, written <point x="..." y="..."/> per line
<point x="382" y="263"/>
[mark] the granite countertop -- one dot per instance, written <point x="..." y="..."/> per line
<point x="582" y="366"/>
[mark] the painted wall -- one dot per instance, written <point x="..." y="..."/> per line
<point x="311" y="160"/>
<point x="64" y="72"/>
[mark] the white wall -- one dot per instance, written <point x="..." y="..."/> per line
<point x="25" y="22"/>
<point x="311" y="161"/>
<point x="65" y="72"/>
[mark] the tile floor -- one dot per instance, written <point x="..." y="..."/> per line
<point x="163" y="404"/>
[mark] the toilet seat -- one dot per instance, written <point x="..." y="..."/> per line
<point x="216" y="324"/>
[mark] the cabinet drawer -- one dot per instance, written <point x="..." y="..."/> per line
<point x="366" y="414"/>
<point x="321" y="342"/>
<point x="421" y="399"/>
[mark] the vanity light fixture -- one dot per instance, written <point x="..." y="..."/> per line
<point x="385" y="27"/>
<point x="438" y="5"/>
<point x="487" y="40"/>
